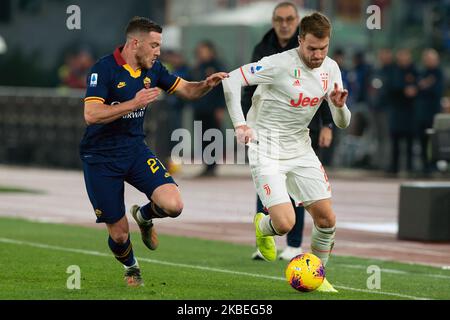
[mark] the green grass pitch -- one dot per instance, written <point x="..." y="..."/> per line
<point x="35" y="258"/>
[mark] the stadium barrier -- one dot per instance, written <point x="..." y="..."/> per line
<point x="440" y="137"/>
<point x="43" y="127"/>
<point x="424" y="211"/>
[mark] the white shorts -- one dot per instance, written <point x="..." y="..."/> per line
<point x="303" y="179"/>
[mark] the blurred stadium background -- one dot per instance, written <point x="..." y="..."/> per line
<point x="44" y="63"/>
<point x="402" y="216"/>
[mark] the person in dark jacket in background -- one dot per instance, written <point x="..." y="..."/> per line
<point x="381" y="103"/>
<point x="176" y="64"/>
<point x="210" y="109"/>
<point x="284" y="36"/>
<point x="401" y="115"/>
<point x="431" y="86"/>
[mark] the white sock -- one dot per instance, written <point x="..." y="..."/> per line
<point x="135" y="264"/>
<point x="322" y="242"/>
<point x="140" y="218"/>
<point x="266" y="227"/>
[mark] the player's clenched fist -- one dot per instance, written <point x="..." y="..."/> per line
<point x="146" y="96"/>
<point x="244" y="134"/>
<point x="338" y="97"/>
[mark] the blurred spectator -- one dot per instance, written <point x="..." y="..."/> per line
<point x="354" y="146"/>
<point x="359" y="79"/>
<point x="380" y="104"/>
<point x="339" y="57"/>
<point x="74" y="72"/>
<point x="431" y="85"/>
<point x="210" y="109"/>
<point x="281" y="37"/>
<point x="401" y="113"/>
<point x="175" y="62"/>
<point x="327" y="154"/>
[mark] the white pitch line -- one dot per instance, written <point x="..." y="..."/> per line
<point x="394" y="271"/>
<point x="102" y="254"/>
<point x="399" y="248"/>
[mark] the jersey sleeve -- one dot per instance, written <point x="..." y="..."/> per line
<point x="167" y="81"/>
<point x="262" y="72"/>
<point x="98" y="84"/>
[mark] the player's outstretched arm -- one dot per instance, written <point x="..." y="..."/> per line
<point x="99" y="113"/>
<point x="191" y="90"/>
<point x="264" y="71"/>
<point x="232" y="92"/>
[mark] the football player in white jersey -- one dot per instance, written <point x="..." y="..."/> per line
<point x="291" y="86"/>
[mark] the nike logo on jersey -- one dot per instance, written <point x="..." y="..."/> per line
<point x="121" y="84"/>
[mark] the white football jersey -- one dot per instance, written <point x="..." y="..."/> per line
<point x="286" y="99"/>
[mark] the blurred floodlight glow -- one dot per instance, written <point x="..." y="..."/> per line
<point x="172" y="38"/>
<point x="3" y="47"/>
<point x="253" y="14"/>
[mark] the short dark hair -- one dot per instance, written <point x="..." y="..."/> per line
<point x="142" y="24"/>
<point x="316" y="24"/>
<point x="285" y="4"/>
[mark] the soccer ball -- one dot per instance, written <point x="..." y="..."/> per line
<point x="305" y="272"/>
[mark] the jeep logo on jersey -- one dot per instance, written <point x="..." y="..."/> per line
<point x="305" y="101"/>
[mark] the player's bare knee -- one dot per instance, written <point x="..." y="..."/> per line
<point x="175" y="208"/>
<point x="120" y="237"/>
<point x="283" y="229"/>
<point x="328" y="221"/>
<point x="284" y="226"/>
